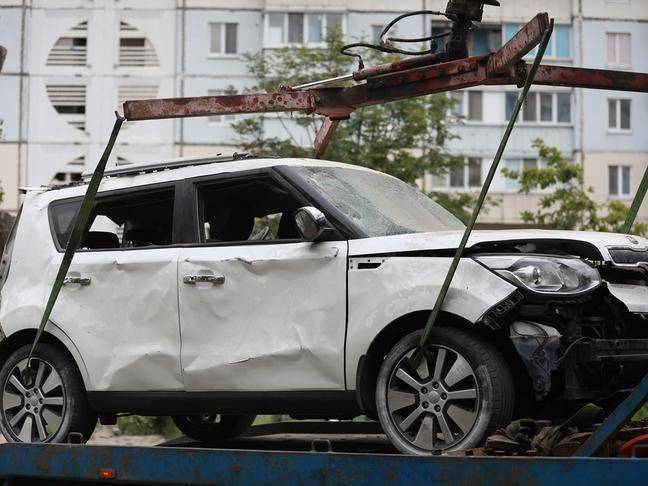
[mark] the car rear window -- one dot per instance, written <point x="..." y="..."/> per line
<point x="131" y="220"/>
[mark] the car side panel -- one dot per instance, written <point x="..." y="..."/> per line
<point x="401" y="285"/>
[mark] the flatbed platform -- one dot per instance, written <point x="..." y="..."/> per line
<point x="297" y="453"/>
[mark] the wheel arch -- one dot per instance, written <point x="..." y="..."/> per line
<point x="392" y="333"/>
<point x="54" y="336"/>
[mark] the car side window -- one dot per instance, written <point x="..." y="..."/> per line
<point x="247" y="210"/>
<point x="121" y="221"/>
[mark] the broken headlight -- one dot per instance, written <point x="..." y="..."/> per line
<point x="544" y="274"/>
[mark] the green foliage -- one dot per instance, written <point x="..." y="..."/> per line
<point x="406" y="139"/>
<point x="569" y="205"/>
<point x="139" y="425"/>
<point x="462" y="204"/>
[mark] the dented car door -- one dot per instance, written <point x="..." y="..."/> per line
<point x="250" y="314"/>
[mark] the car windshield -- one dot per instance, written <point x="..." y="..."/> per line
<point x="380" y="205"/>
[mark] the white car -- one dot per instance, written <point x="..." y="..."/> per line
<point x="212" y="290"/>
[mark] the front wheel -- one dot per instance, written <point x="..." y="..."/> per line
<point x="459" y="392"/>
<point x="213" y="427"/>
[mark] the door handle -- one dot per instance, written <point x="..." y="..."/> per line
<point x="213" y="279"/>
<point x="76" y="280"/>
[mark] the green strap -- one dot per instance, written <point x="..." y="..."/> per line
<point x="78" y="232"/>
<point x="484" y="192"/>
<point x="636" y="204"/>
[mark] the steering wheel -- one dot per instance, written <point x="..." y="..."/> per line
<point x="261" y="235"/>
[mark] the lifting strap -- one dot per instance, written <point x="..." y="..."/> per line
<point x="436" y="310"/>
<point x="636" y="204"/>
<point x="76" y="236"/>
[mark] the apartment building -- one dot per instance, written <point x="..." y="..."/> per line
<point x="81" y="58"/>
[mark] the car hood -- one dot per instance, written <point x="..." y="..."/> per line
<point x="584" y="243"/>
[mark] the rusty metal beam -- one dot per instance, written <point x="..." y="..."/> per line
<point x="325" y="135"/>
<point x="210" y="105"/>
<point x="340" y="102"/>
<point x="572" y="77"/>
<point x="400" y="80"/>
<point x="520" y="44"/>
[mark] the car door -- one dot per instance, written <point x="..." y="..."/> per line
<point x="259" y="314"/>
<point x="119" y="304"/>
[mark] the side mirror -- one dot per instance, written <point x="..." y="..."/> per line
<point x="311" y="223"/>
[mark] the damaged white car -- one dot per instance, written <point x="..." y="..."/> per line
<point x="213" y="290"/>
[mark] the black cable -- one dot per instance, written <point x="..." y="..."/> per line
<point x="385" y="44"/>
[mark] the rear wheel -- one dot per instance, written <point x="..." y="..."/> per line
<point x="459" y="393"/>
<point x="213" y="427"/>
<point x="50" y="407"/>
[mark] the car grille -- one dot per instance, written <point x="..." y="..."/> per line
<point x="628" y="256"/>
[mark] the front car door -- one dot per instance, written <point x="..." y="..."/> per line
<point x="260" y="309"/>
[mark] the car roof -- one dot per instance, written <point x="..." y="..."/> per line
<point x="178" y="169"/>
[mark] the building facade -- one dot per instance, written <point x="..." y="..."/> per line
<point x="72" y="62"/>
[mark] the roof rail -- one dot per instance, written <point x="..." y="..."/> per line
<point x="144" y="168"/>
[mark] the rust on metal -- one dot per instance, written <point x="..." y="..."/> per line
<point x="520" y="44"/>
<point x="592" y="78"/>
<point x="325" y="135"/>
<point x="438" y="71"/>
<point x="322" y="101"/>
<point x="210" y="105"/>
<point x="400" y="65"/>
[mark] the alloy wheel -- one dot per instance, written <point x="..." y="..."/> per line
<point x="435" y="404"/>
<point x="34" y="412"/>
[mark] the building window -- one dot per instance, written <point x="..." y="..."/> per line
<point x="72" y="49"/>
<point x="135" y="50"/>
<point x="467" y="176"/>
<point x="72" y="172"/>
<point x="618" y="50"/>
<point x="300" y="28"/>
<point x="484" y="40"/>
<point x="468" y="104"/>
<point x="475" y="105"/>
<point x="223" y="38"/>
<point x="620" y="115"/>
<point x="619" y="180"/>
<point x="376" y="30"/>
<point x="541" y="107"/>
<point x="559" y="45"/>
<point x="519" y="166"/>
<point x="219" y="118"/>
<point x="69" y="100"/>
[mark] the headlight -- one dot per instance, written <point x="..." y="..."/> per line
<point x="545" y="274"/>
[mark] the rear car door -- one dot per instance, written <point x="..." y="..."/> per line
<point x="259" y="308"/>
<point x="119" y="304"/>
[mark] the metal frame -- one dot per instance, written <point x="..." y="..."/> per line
<point x="204" y="466"/>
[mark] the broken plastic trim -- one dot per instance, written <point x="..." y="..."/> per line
<point x="77" y="234"/>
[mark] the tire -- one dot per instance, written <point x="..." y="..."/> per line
<point x="207" y="428"/>
<point x="455" y="406"/>
<point x="50" y="409"/>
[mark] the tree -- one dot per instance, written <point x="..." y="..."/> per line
<point x="406" y="139"/>
<point x="569" y="205"/>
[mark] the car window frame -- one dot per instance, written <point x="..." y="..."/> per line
<point x="103" y="196"/>
<point x="233" y="177"/>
